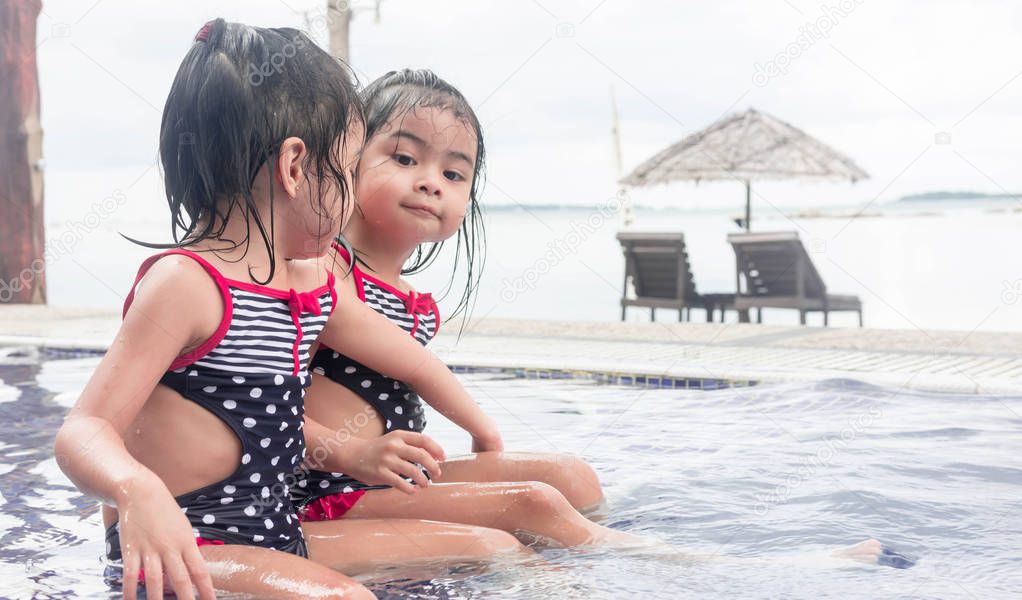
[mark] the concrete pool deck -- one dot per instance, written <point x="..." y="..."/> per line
<point x="943" y="361"/>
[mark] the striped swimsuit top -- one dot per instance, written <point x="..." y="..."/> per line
<point x="398" y="405"/>
<point x="251" y="374"/>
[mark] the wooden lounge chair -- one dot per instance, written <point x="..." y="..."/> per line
<point x="775" y="271"/>
<point x="657" y="266"/>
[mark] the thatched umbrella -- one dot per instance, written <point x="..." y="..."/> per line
<point x="746" y="147"/>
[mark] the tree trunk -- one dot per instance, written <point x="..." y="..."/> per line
<point x="22" y="266"/>
<point x="339" y="19"/>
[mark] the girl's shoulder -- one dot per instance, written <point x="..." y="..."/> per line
<point x="400" y="288"/>
<point x="175" y="274"/>
<point x="230" y="271"/>
<point x="176" y="279"/>
<point x="340" y="263"/>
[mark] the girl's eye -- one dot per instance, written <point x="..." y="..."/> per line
<point x="404" y="159"/>
<point x="453" y="176"/>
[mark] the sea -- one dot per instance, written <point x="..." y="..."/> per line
<point x="938" y="264"/>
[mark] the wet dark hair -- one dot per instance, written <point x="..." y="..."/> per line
<point x="389" y="98"/>
<point x="238" y="94"/>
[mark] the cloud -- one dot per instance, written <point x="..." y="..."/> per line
<point x="888" y="77"/>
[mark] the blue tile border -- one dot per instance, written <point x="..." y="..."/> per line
<point x="52" y="353"/>
<point x="600" y="377"/>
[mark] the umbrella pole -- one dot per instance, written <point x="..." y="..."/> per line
<point x="748" y="206"/>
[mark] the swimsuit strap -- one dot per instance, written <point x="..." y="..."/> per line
<point x="225" y="295"/>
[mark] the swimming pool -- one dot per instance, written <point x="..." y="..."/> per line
<point x="766" y="471"/>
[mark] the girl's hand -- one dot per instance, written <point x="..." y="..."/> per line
<point x="388" y="458"/>
<point x="371" y="339"/>
<point x="156" y="536"/>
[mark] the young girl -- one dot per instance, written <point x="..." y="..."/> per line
<point x="193" y="420"/>
<point x="417" y="186"/>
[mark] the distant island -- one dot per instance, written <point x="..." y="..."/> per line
<point x="946" y="195"/>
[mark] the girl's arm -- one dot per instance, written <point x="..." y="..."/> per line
<point x="90" y="446"/>
<point x="371" y="339"/>
<point x="378" y="460"/>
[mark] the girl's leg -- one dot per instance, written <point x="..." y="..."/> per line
<point x="271" y="574"/>
<point x="359" y="545"/>
<point x="530" y="507"/>
<point x="571" y="475"/>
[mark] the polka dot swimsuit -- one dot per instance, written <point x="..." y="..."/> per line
<point x="250" y="374"/>
<point x="398" y="406"/>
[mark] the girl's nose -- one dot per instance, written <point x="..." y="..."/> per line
<point x="428" y="186"/>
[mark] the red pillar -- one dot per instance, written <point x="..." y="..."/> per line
<point x="22" y="266"/>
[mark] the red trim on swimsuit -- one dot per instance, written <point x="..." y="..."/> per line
<point x="281" y="294"/>
<point x="199" y="541"/>
<point x="413" y="300"/>
<point x="328" y="508"/>
<point x="222" y="284"/>
<point x="363" y="275"/>
<point x="298" y="303"/>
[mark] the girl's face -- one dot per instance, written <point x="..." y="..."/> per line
<point x="415" y="176"/>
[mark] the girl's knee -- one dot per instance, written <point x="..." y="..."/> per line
<point x="495" y="541"/>
<point x="580" y="483"/>
<point x="536" y="497"/>
<point x="577" y="467"/>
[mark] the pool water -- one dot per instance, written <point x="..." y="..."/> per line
<point x="766" y="479"/>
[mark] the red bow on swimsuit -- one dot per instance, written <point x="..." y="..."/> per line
<point x="419" y="303"/>
<point x="304" y="302"/>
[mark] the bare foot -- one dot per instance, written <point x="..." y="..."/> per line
<point x="874" y="553"/>
<point x="866" y="552"/>
<point x="617" y="538"/>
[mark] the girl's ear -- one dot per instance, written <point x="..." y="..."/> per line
<point x="290" y="165"/>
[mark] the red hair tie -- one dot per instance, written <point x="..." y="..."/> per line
<point x="203" y="34"/>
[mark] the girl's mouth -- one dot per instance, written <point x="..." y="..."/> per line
<point x="422" y="210"/>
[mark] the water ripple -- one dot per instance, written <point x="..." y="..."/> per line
<point x="766" y="480"/>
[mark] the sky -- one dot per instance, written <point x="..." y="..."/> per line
<point x="923" y="96"/>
